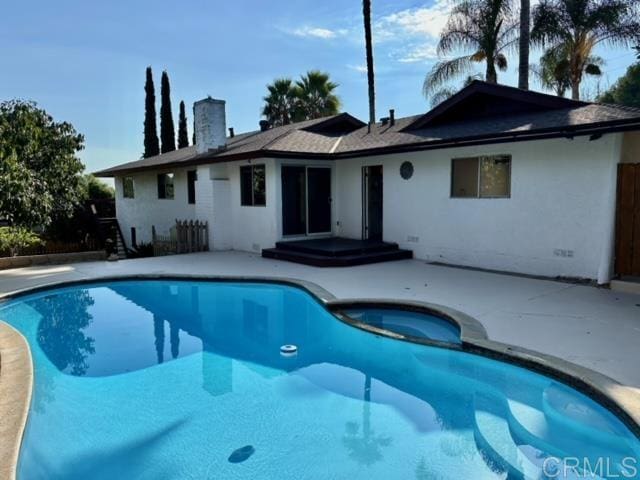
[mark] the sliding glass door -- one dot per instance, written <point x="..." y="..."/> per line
<point x="306" y="200"/>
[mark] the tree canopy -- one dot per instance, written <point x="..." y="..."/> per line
<point x="39" y="169"/>
<point x="151" y="142"/>
<point x="485" y="30"/>
<point x="310" y="97"/>
<point x="577" y="26"/>
<point x="94" y="189"/>
<point x="626" y="91"/>
<point x="167" y="129"/>
<point x="183" y="136"/>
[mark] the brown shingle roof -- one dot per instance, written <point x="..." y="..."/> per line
<point x="341" y="136"/>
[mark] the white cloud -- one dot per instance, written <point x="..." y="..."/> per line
<point x="419" y="53"/>
<point x="358" y="68"/>
<point x="414" y="22"/>
<point x="317" y="32"/>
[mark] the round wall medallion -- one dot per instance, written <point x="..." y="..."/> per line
<point x="406" y="170"/>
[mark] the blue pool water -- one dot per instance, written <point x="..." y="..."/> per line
<point x="185" y="380"/>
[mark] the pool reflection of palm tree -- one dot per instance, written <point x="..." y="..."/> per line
<point x="365" y="446"/>
<point x="158" y="333"/>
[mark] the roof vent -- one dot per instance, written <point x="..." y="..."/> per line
<point x="231" y="132"/>
<point x="384" y="121"/>
<point x="392" y="117"/>
<point x="264" y="125"/>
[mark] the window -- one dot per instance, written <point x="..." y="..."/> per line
<point x="192" y="176"/>
<point x="127" y="187"/>
<point x="481" y="177"/>
<point x="165" y="186"/>
<point x="252" y="186"/>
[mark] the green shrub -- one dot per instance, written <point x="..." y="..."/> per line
<point x="15" y="239"/>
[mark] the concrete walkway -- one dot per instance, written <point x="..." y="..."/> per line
<point x="592" y="327"/>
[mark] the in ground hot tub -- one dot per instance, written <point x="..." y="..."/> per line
<point x="408" y="323"/>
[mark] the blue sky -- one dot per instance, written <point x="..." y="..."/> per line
<point x="84" y="61"/>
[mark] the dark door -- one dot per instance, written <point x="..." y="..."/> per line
<point x="628" y="220"/>
<point x="319" y="200"/>
<point x="373" y="202"/>
<point x="294" y="205"/>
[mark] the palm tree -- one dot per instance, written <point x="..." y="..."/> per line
<point x="525" y="27"/>
<point x="280" y="102"/>
<point x="445" y="93"/>
<point x="366" y="13"/>
<point x="484" y="27"/>
<point x="315" y="97"/>
<point x="579" y="25"/>
<point x="553" y="73"/>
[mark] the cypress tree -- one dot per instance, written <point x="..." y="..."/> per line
<point x="151" y="144"/>
<point x="167" y="130"/>
<point x="183" y="136"/>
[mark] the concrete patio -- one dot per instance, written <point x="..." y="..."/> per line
<point x="592" y="327"/>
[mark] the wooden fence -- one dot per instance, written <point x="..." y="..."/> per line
<point x="184" y="237"/>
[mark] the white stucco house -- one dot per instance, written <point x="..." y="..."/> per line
<point x="495" y="178"/>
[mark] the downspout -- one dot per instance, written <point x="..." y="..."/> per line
<point x="605" y="269"/>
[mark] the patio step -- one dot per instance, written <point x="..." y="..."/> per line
<point x="318" y="260"/>
<point x="337" y="247"/>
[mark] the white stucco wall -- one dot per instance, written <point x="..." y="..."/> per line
<point x="254" y="228"/>
<point x="146" y="209"/>
<point x="561" y="194"/>
<point x="558" y="221"/>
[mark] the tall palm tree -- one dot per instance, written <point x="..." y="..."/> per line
<point x="486" y="28"/>
<point x="445" y="93"/>
<point x="366" y="13"/>
<point x="315" y="96"/>
<point x="554" y="73"/>
<point x="280" y="102"/>
<point x="579" y="25"/>
<point x="525" y="30"/>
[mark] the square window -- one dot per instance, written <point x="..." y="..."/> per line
<point x="495" y="176"/>
<point x="127" y="187"/>
<point x="192" y="177"/>
<point x="464" y="178"/>
<point x="481" y="177"/>
<point x="253" y="185"/>
<point x="165" y="186"/>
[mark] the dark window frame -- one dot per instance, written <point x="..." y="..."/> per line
<point x="507" y="158"/>
<point x="192" y="178"/>
<point x="125" y="189"/>
<point x="250" y="193"/>
<point x="163" y="192"/>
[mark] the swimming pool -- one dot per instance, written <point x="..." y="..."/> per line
<point x="164" y="379"/>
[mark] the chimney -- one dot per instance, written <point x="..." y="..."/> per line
<point x="392" y="117"/>
<point x="210" y="124"/>
<point x="231" y="132"/>
<point x="264" y="125"/>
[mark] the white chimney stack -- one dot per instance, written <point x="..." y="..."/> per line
<point x="210" y="124"/>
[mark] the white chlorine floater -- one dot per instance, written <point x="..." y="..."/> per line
<point x="288" y="350"/>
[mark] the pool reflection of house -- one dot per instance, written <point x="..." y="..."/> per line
<point x="204" y="313"/>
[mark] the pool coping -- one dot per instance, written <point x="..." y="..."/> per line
<point x="622" y="401"/>
<point x="16" y="383"/>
